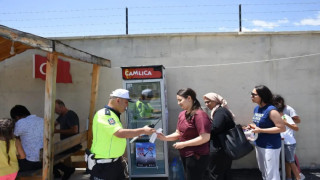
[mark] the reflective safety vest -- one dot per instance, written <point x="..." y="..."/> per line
<point x="144" y="109"/>
<point x="105" y="144"/>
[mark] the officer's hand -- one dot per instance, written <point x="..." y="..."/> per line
<point x="148" y="130"/>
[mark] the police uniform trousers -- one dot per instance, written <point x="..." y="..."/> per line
<point x="108" y="171"/>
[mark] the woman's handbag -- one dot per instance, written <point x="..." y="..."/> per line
<point x="235" y="143"/>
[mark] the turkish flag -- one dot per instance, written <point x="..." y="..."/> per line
<point x="63" y="69"/>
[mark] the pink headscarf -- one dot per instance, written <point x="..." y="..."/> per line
<point x="219" y="100"/>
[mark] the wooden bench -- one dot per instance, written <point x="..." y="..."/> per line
<point x="59" y="147"/>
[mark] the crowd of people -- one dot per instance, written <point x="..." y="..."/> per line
<point x="196" y="136"/>
<point x="22" y="134"/>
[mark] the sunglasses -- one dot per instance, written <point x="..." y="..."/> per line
<point x="253" y="94"/>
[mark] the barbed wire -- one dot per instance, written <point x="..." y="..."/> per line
<point x="60" y="11"/>
<point x="170" y="14"/>
<point x="185" y="14"/>
<point x="70" y="25"/>
<point x="269" y="12"/>
<point x="119" y="15"/>
<point x="174" y="22"/>
<point x="62" y="18"/>
<point x="280" y="4"/>
<point x="158" y="29"/>
<point x="121" y="31"/>
<point x="235" y="29"/>
<point x="152" y="7"/>
<point x="201" y="20"/>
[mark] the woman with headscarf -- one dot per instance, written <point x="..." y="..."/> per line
<point x="222" y="120"/>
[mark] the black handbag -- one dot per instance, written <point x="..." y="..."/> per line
<point x="235" y="143"/>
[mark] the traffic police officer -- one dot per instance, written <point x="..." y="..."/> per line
<point x="109" y="138"/>
<point x="144" y="109"/>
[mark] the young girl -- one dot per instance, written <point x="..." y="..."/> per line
<point x="9" y="148"/>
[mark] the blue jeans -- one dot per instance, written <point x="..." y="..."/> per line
<point x="290" y="150"/>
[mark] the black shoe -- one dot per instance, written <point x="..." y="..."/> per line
<point x="68" y="173"/>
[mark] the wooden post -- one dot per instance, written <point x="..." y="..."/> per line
<point x="94" y="95"/>
<point x="49" y="106"/>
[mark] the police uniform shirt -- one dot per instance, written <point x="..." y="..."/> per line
<point x="144" y="109"/>
<point x="105" y="144"/>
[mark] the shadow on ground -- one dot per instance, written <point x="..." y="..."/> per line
<point x="238" y="174"/>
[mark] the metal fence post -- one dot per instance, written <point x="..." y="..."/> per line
<point x="240" y="19"/>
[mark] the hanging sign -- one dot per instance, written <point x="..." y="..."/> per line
<point x="142" y="72"/>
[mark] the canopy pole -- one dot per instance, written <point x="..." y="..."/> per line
<point x="49" y="106"/>
<point x="94" y="95"/>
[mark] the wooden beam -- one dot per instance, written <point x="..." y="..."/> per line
<point x="5" y="49"/>
<point x="94" y="94"/>
<point x="49" y="106"/>
<point x="26" y="38"/>
<point x="70" y="142"/>
<point x="52" y="46"/>
<point x="76" y="54"/>
<point x="67" y="143"/>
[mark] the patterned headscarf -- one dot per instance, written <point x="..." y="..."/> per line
<point x="219" y="100"/>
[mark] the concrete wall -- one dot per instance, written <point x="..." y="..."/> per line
<point x="230" y="64"/>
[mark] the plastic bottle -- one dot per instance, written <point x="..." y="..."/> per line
<point x="174" y="170"/>
<point x="180" y="169"/>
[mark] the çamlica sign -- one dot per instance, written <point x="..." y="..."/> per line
<point x="143" y="72"/>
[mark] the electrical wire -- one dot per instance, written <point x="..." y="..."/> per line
<point x="247" y="62"/>
<point x="239" y="63"/>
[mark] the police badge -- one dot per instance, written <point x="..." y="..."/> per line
<point x="111" y="121"/>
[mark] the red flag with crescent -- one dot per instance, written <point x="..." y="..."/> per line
<point x="63" y="69"/>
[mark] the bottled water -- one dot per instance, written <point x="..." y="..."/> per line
<point x="251" y="136"/>
<point x="176" y="170"/>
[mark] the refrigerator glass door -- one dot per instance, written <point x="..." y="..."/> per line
<point x="146" y="157"/>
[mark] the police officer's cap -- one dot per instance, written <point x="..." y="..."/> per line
<point x="121" y="93"/>
<point x="147" y="93"/>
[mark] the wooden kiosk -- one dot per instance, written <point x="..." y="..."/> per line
<point x="21" y="42"/>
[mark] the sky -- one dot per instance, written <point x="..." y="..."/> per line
<point x="69" y="18"/>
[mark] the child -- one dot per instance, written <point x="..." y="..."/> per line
<point x="290" y="146"/>
<point x="289" y="142"/>
<point x="9" y="147"/>
<point x="280" y="104"/>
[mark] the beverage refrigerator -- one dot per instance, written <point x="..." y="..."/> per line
<point x="147" y="88"/>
